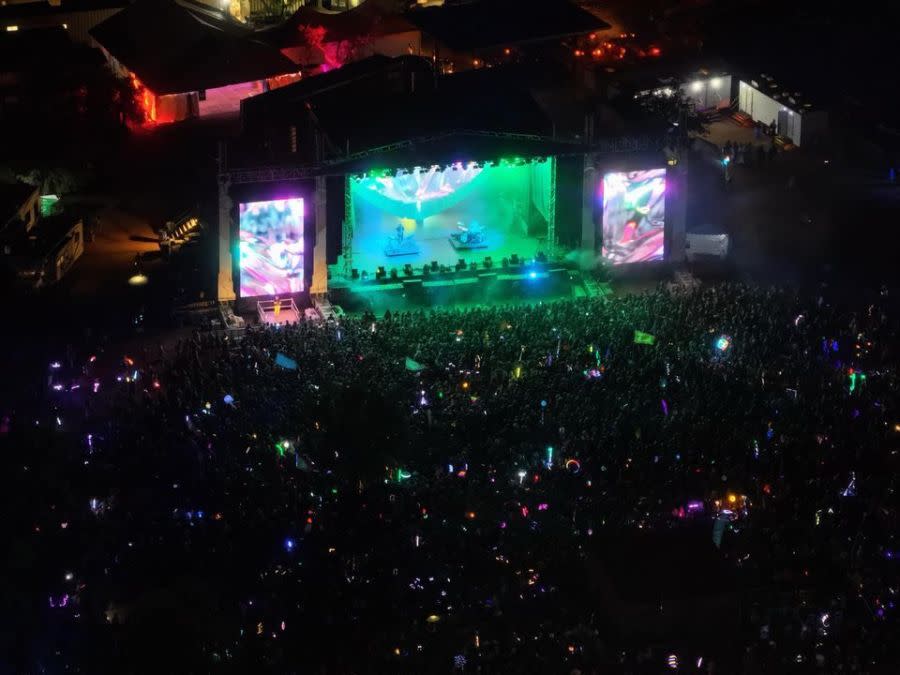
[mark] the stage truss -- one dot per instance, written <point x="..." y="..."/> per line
<point x="347" y="229"/>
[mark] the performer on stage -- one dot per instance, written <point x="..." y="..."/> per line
<point x="400" y="244"/>
<point x="468" y="237"/>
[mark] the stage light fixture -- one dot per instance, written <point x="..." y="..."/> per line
<point x="504" y="263"/>
<point x="473" y="266"/>
<point x="696" y="86"/>
<point x="393" y="273"/>
<point x="514" y="259"/>
<point x="715" y="82"/>
<point x="488" y="263"/>
<point x="541" y="257"/>
<point x="408" y="270"/>
<point x="380" y="273"/>
<point x="354" y="273"/>
<point x="434" y="265"/>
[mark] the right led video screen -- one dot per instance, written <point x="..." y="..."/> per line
<point x="634" y="206"/>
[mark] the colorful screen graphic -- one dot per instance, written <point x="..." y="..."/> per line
<point x="444" y="214"/>
<point x="634" y="216"/>
<point x="271" y="247"/>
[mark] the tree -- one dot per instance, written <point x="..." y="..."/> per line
<point x="274" y="10"/>
<point x="54" y="179"/>
<point x="679" y="113"/>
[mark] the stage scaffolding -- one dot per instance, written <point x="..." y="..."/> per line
<point x="347" y="229"/>
<point x="551" y="212"/>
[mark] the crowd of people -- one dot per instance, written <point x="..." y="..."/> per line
<point x="503" y="489"/>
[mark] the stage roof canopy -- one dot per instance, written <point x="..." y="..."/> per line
<point x="459" y="103"/>
<point x="498" y="23"/>
<point x="173" y="48"/>
<point x="291" y="94"/>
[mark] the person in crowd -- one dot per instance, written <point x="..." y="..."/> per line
<point x="435" y="491"/>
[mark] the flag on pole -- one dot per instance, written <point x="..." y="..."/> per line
<point x="413" y="365"/>
<point x="642" y="338"/>
<point x="285" y="362"/>
<point x="719" y="529"/>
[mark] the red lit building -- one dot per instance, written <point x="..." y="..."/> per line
<point x="186" y="61"/>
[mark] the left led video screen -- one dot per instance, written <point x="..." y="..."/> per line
<point x="271" y="247"/>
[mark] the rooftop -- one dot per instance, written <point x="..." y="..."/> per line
<point x="50" y="232"/>
<point x="173" y="48"/>
<point x="494" y="23"/>
<point x="12" y="197"/>
<point x="33" y="9"/>
<point x="308" y="86"/>
<point x="34" y="49"/>
<point x="792" y="98"/>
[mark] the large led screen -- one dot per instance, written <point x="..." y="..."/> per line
<point x="444" y="214"/>
<point x="634" y="205"/>
<point x="271" y="248"/>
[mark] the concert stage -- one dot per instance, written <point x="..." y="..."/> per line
<point x="527" y="227"/>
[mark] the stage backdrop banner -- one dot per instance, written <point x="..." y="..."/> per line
<point x="446" y="213"/>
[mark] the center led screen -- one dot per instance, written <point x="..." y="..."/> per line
<point x="634" y="207"/>
<point x="271" y="248"/>
<point x="444" y="214"/>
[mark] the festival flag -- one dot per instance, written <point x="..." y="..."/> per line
<point x="641" y="338"/>
<point x="719" y="529"/>
<point x="413" y="365"/>
<point x="285" y="362"/>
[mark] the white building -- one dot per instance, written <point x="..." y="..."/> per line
<point x="708" y="90"/>
<point x="795" y="118"/>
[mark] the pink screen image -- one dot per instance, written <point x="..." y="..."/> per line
<point x="634" y="206"/>
<point x="271" y="247"/>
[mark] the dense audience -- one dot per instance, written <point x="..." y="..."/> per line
<point x="495" y="490"/>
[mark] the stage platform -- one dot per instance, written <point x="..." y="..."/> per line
<point x="526" y="282"/>
<point x="276" y="313"/>
<point x="369" y="255"/>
